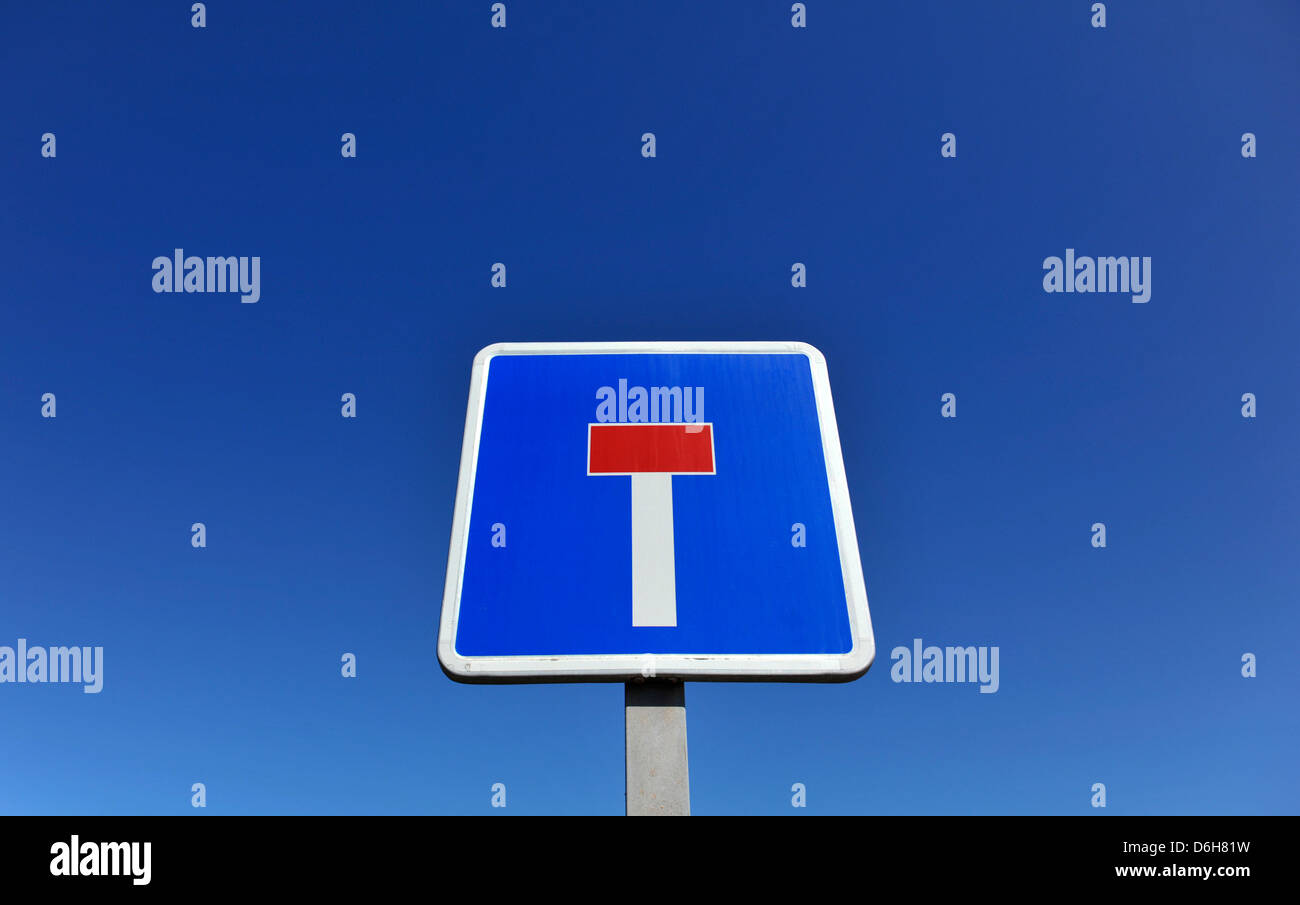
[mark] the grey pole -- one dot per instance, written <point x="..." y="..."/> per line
<point x="658" y="780"/>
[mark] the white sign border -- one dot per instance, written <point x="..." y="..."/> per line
<point x="629" y="667"/>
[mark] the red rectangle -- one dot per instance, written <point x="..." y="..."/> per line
<point x="650" y="448"/>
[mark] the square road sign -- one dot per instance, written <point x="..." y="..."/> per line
<point x="652" y="509"/>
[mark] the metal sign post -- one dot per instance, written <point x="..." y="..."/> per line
<point x="658" y="778"/>
<point x="607" y="530"/>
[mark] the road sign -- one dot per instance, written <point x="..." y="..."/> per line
<point x="675" y="510"/>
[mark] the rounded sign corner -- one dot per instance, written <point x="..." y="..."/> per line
<point x="454" y="666"/>
<point x="858" y="660"/>
<point x="488" y="352"/>
<point x="813" y="353"/>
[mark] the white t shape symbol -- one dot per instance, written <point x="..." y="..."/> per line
<point x="651" y="454"/>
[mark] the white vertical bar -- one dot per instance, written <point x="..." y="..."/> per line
<point x="654" y="578"/>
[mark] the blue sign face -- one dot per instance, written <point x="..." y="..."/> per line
<point x="677" y="510"/>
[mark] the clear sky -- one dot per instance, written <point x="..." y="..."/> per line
<point x="775" y="145"/>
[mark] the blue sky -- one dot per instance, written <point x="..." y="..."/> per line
<point x="774" y="145"/>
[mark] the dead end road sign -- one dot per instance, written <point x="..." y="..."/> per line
<point x="662" y="509"/>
